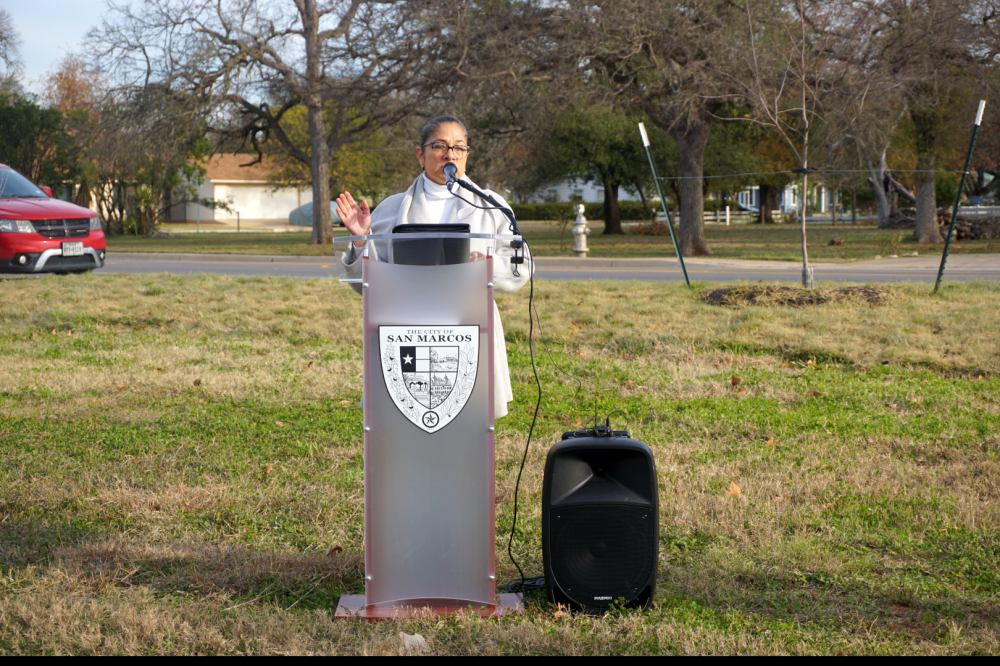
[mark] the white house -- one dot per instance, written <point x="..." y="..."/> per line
<point x="575" y="190"/>
<point x="246" y="189"/>
<point x="788" y="200"/>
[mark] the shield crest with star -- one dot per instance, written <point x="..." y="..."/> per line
<point x="429" y="371"/>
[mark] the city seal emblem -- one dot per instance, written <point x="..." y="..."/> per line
<point x="429" y="371"/>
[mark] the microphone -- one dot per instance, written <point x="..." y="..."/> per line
<point x="451" y="173"/>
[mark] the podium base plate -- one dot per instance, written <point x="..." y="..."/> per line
<point x="352" y="607"/>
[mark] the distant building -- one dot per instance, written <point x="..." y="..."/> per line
<point x="575" y="190"/>
<point x="247" y="190"/>
<point x="821" y="198"/>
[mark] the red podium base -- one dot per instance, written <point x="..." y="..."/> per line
<point x="352" y="607"/>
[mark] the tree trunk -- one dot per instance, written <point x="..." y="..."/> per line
<point x="691" y="138"/>
<point x="802" y="228"/>
<point x="612" y="218"/>
<point x="768" y="203"/>
<point x="927" y="229"/>
<point x="876" y="179"/>
<point x="319" y="166"/>
<point x="646" y="212"/>
<point x="833" y="207"/>
<point x="319" y="170"/>
<point x="82" y="196"/>
<point x="854" y="206"/>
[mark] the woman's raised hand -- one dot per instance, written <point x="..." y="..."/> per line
<point x="357" y="219"/>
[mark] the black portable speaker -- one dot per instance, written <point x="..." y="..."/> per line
<point x="600" y="521"/>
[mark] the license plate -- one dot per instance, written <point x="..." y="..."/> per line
<point x="72" y="249"/>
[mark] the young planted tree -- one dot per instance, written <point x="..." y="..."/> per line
<point x="354" y="65"/>
<point x="796" y="88"/>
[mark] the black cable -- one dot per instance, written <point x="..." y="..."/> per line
<point x="512" y="225"/>
<point x="525" y="584"/>
<point x="612" y="413"/>
<point x="455" y="194"/>
<point x="534" y="420"/>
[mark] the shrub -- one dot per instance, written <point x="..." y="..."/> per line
<point x="561" y="212"/>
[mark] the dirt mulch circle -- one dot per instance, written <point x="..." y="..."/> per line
<point x="759" y="294"/>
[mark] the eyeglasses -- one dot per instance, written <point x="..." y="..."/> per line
<point x="442" y="148"/>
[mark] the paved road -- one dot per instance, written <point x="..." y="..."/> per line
<point x="960" y="267"/>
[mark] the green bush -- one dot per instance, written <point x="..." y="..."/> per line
<point x="945" y="189"/>
<point x="560" y="212"/>
<point x="544" y="211"/>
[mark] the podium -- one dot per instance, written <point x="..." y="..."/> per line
<point x="428" y="424"/>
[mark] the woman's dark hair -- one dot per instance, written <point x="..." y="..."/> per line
<point x="437" y="122"/>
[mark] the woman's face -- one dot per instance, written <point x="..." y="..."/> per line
<point x="433" y="162"/>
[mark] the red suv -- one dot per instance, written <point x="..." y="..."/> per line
<point x="39" y="234"/>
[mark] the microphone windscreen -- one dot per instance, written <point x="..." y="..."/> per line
<point x="451" y="172"/>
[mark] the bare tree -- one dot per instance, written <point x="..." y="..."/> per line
<point x="797" y="88"/>
<point x="9" y="43"/>
<point x="986" y="183"/>
<point x="665" y="59"/>
<point x="939" y="48"/>
<point x="508" y="66"/>
<point x="354" y="64"/>
<point x="933" y="52"/>
<point x="10" y="56"/>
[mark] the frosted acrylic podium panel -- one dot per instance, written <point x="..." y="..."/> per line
<point x="428" y="417"/>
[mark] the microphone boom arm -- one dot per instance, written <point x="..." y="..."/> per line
<point x="508" y="213"/>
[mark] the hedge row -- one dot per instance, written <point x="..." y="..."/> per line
<point x="627" y="210"/>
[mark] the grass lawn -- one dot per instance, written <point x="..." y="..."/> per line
<point x="180" y="453"/>
<point x="774" y="242"/>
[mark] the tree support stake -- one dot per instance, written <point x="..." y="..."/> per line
<point x="663" y="202"/>
<point x="958" y="197"/>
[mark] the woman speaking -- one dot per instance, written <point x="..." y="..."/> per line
<point x="428" y="201"/>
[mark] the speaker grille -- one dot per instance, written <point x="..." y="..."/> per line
<point x="602" y="551"/>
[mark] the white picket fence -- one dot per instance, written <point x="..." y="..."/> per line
<point x="718" y="217"/>
<point x="731" y="216"/>
<point x="979" y="211"/>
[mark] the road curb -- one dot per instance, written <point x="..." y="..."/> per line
<point x="926" y="262"/>
<point x="234" y="258"/>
